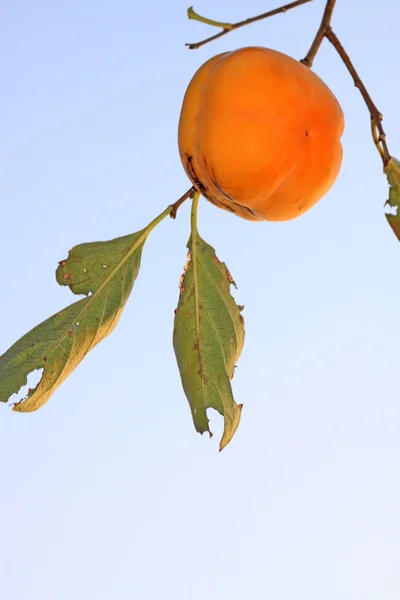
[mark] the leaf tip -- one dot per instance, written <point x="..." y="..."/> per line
<point x="230" y="430"/>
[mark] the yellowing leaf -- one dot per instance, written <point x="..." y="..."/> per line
<point x="392" y="171"/>
<point x="106" y="271"/>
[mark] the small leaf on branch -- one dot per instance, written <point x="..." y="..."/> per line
<point x="392" y="171"/>
<point x="208" y="337"/>
<point x="106" y="271"/>
<point x="192" y="14"/>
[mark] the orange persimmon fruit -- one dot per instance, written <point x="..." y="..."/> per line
<point x="259" y="134"/>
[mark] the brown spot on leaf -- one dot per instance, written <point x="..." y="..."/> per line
<point x="67" y="276"/>
<point x="187" y="263"/>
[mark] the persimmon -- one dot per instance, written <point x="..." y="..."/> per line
<point x="259" y="134"/>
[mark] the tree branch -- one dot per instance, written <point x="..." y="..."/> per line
<point x="227" y="27"/>
<point x="376" y="115"/>
<point x="323" y="28"/>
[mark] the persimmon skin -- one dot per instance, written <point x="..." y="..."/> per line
<point x="259" y="134"/>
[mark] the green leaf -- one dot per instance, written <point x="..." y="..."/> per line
<point x="94" y="264"/>
<point x="392" y="171"/>
<point x="106" y="271"/>
<point x="208" y="336"/>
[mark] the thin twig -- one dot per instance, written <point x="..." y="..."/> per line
<point x="271" y="13"/>
<point x="376" y="115"/>
<point x="189" y="194"/>
<point x="321" y="33"/>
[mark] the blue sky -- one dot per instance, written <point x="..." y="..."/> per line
<point x="108" y="491"/>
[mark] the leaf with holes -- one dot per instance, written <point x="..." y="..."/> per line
<point x="105" y="272"/>
<point x="208" y="337"/>
<point x="392" y="171"/>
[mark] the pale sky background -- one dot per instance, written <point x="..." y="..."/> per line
<point x="108" y="491"/>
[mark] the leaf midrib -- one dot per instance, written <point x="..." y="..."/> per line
<point x="142" y="236"/>
<point x="197" y="298"/>
<point x="195" y="243"/>
<point x="90" y="299"/>
<point x="226" y="304"/>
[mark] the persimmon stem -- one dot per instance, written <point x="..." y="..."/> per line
<point x="376" y="115"/>
<point x="193" y="213"/>
<point x="321" y="33"/>
<point x="189" y="194"/>
<point x="227" y="27"/>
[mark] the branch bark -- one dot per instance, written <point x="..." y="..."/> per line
<point x="231" y="26"/>
<point x="376" y="115"/>
<point x="321" y="33"/>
